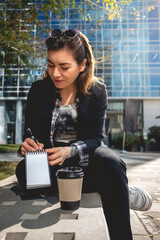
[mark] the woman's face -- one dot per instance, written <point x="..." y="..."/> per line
<point x="63" y="68"/>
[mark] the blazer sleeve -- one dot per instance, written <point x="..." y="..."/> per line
<point x="97" y="110"/>
<point x="31" y="117"/>
<point x="33" y="112"/>
<point x="31" y="107"/>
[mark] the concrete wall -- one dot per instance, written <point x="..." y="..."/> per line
<point x="19" y="109"/>
<point x="151" y="109"/>
<point x="3" y="139"/>
<point x="3" y="122"/>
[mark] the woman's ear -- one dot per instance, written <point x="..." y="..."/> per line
<point x="83" y="65"/>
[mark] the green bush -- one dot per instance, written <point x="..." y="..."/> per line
<point x="154" y="133"/>
<point x="150" y="141"/>
<point x="129" y="139"/>
<point x="118" y="141"/>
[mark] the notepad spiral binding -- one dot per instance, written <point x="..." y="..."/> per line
<point x="36" y="152"/>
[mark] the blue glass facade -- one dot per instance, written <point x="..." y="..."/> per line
<point x="127" y="52"/>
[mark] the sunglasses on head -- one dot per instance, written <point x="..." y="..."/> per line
<point x="69" y="33"/>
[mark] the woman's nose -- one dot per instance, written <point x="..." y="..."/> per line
<point x="56" y="73"/>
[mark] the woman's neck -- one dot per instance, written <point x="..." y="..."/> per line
<point x="68" y="95"/>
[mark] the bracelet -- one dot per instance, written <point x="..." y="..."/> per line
<point x="73" y="151"/>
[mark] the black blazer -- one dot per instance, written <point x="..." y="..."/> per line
<point x="91" y="113"/>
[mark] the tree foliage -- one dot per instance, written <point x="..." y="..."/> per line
<point x="19" y="21"/>
<point x="113" y="8"/>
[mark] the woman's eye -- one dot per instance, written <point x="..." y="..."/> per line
<point x="50" y="65"/>
<point x="65" y="68"/>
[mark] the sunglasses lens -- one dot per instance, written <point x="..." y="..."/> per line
<point x="55" y="33"/>
<point x="70" y="33"/>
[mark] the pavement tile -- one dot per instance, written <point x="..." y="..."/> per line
<point x="40" y="203"/>
<point x="11" y="203"/>
<point x="16" y="236"/>
<point x="150" y="220"/>
<point x="155" y="207"/>
<point x="68" y="217"/>
<point x="137" y="227"/>
<point x="8" y="186"/>
<point x="141" y="237"/>
<point x="64" y="236"/>
<point x="156" y="237"/>
<point x="29" y="216"/>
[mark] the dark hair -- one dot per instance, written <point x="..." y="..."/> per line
<point x="81" y="49"/>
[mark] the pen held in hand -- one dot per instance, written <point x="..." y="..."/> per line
<point x="30" y="134"/>
<point x="40" y="146"/>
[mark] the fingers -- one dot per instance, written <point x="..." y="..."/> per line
<point x="23" y="151"/>
<point x="52" y="150"/>
<point x="55" y="156"/>
<point x="30" y="145"/>
<point x="58" y="161"/>
<point x="40" y="145"/>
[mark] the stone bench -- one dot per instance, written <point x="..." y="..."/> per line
<point x="42" y="218"/>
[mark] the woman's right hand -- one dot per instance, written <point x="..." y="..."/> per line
<point x="30" y="145"/>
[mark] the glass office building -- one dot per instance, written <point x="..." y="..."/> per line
<point x="128" y="60"/>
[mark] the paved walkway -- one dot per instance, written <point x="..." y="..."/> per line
<point x="9" y="157"/>
<point x="143" y="171"/>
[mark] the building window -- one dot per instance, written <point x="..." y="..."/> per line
<point x="10" y="120"/>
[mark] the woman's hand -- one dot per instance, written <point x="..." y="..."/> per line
<point x="30" y="145"/>
<point x="57" y="155"/>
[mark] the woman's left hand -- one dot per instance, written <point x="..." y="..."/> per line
<point x="57" y="155"/>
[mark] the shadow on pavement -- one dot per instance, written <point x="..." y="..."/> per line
<point x="13" y="206"/>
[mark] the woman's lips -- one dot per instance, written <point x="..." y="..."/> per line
<point x="58" y="81"/>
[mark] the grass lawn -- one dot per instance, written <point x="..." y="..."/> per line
<point x="9" y="147"/>
<point x="7" y="169"/>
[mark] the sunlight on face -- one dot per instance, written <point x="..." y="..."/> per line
<point x="63" y="68"/>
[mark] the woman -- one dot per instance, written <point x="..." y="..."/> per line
<point x="66" y="113"/>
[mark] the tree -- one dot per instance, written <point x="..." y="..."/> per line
<point x="19" y="21"/>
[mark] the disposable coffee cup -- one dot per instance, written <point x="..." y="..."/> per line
<point x="70" y="181"/>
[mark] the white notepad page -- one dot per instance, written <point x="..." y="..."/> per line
<point x="37" y="170"/>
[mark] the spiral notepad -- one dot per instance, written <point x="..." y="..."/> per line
<point x="37" y="170"/>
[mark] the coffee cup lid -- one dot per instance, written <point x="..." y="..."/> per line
<point x="70" y="172"/>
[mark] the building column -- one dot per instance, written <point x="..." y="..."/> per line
<point x="3" y="130"/>
<point x="19" y="109"/>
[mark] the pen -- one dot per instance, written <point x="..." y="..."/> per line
<point x="31" y="135"/>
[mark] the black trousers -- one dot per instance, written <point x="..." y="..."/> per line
<point x="105" y="174"/>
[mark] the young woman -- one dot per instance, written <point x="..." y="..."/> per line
<point x="66" y="113"/>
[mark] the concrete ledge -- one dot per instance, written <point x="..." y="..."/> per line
<point x="8" y="180"/>
<point x="42" y="218"/>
